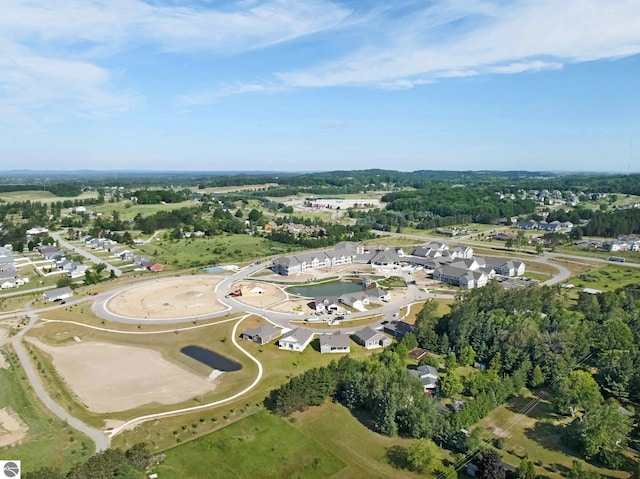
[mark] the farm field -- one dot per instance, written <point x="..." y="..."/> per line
<point x="261" y="445"/>
<point x="44" y="196"/>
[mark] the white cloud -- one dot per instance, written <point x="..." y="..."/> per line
<point x="485" y="37"/>
<point x="61" y="55"/>
<point x="207" y="97"/>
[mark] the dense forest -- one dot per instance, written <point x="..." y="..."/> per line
<point x="583" y="354"/>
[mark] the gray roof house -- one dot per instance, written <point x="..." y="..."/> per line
<point x="428" y="376"/>
<point x="505" y="267"/>
<point x="357" y="300"/>
<point x="378" y="294"/>
<point x="326" y="303"/>
<point x="57" y="294"/>
<point x="371" y="339"/>
<point x="296" y="340"/>
<point x="262" y="334"/>
<point x="398" y="329"/>
<point x="334" y="343"/>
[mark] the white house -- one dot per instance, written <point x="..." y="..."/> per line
<point x="296" y="340"/>
<point x="58" y="294"/>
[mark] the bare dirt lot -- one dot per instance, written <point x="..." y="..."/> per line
<point x="259" y="294"/>
<point x="110" y="377"/>
<point x="12" y="428"/>
<point x="178" y="298"/>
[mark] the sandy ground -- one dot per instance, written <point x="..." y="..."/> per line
<point x="258" y="294"/>
<point x="182" y="297"/>
<point x="291" y="305"/>
<point x="110" y="377"/>
<point x="12" y="428"/>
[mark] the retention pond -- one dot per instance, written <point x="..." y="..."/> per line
<point x="337" y="288"/>
<point x="211" y="359"/>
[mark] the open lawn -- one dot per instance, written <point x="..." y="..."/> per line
<point x="48" y="440"/>
<point x="629" y="256"/>
<point x="261" y="445"/>
<point x="608" y="278"/>
<point x="364" y="452"/>
<point x="536" y="433"/>
<point x="221" y="249"/>
<point x="44" y="196"/>
<point x="128" y="210"/>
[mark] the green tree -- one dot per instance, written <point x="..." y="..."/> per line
<point x="451" y="385"/>
<point x="44" y="473"/>
<point x="579" y="471"/>
<point x="490" y="466"/>
<point x="424" y="327"/>
<point x="423" y="456"/>
<point x="467" y="355"/>
<point x="451" y="363"/>
<point x="577" y="391"/>
<point x="239" y="213"/>
<point x="602" y="428"/>
<point x="526" y="469"/>
<point x="63" y="281"/>
<point x="254" y="215"/>
<point x="537" y="378"/>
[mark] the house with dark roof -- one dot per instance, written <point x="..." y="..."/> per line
<point x="397" y="329"/>
<point x="371" y="339"/>
<point x="334" y="343"/>
<point x="262" y="334"/>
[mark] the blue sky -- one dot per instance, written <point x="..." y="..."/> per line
<point x="299" y="85"/>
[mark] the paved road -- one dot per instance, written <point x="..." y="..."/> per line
<point x="86" y="254"/>
<point x="101" y="440"/>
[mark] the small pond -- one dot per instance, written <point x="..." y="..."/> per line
<point x="211" y="359"/>
<point x="337" y="288"/>
<point x="214" y="269"/>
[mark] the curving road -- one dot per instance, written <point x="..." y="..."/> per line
<point x="101" y="440"/>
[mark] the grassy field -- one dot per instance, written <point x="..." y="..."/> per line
<point x="364" y="452"/>
<point x="608" y="278"/>
<point x="262" y="445"/>
<point x="128" y="210"/>
<point x="49" y="441"/>
<point x="44" y="196"/>
<point x="209" y="250"/>
<point x="629" y="256"/>
<point x="536" y="433"/>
